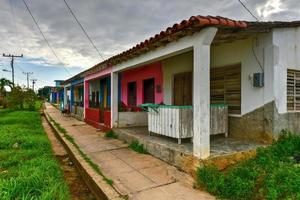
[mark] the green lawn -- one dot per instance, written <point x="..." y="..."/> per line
<point x="273" y="174"/>
<point x="28" y="170"/>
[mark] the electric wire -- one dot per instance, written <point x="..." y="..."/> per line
<point x="248" y="10"/>
<point x="47" y="42"/>
<point x="84" y="31"/>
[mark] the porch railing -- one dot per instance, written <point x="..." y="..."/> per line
<point x="177" y="121"/>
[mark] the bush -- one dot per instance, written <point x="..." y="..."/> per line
<point x="111" y="134"/>
<point x="273" y="174"/>
<point x="21" y="98"/>
<point x="136" y="146"/>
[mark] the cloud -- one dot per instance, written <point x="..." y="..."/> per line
<point x="113" y="25"/>
<point x="270" y="7"/>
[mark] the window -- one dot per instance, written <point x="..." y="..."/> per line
<point x="293" y="90"/>
<point x="225" y="87"/>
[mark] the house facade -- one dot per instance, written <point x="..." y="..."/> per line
<point x="249" y="70"/>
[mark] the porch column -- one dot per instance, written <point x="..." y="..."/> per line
<point x="86" y="96"/>
<point x="65" y="96"/>
<point x="114" y="99"/>
<point x="201" y="94"/>
<point x="72" y="97"/>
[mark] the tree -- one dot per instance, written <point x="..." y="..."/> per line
<point x="3" y="83"/>
<point x="21" y="98"/>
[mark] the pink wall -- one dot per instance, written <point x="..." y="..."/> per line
<point x="139" y="74"/>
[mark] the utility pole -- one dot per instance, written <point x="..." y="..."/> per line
<point x="27" y="76"/>
<point x="12" y="64"/>
<point x="33" y="82"/>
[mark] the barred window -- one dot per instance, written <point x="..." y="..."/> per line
<point x="293" y="90"/>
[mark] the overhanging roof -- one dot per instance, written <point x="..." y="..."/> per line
<point x="228" y="29"/>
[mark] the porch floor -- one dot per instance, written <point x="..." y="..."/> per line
<point x="219" y="145"/>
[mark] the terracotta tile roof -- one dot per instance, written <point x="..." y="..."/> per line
<point x="178" y="30"/>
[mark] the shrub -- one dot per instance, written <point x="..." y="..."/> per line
<point x="21" y="98"/>
<point x="136" y="146"/>
<point x="111" y="134"/>
<point x="273" y="174"/>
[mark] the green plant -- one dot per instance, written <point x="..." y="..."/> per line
<point x="273" y="174"/>
<point x="136" y="146"/>
<point x="111" y="134"/>
<point x="21" y="98"/>
<point x="28" y="169"/>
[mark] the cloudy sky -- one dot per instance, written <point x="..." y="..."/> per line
<point x="114" y="26"/>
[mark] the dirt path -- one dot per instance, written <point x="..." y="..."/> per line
<point x="78" y="188"/>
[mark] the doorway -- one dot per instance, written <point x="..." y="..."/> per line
<point x="131" y="97"/>
<point x="182" y="90"/>
<point x="149" y="93"/>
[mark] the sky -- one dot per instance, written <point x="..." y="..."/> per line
<point x="113" y="25"/>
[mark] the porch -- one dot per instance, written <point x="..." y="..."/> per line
<point x="77" y="101"/>
<point x="97" y="100"/>
<point x="179" y="155"/>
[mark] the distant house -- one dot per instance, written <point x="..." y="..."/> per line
<point x="250" y="70"/>
<point x="56" y="95"/>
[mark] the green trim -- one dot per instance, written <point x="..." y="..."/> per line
<point x="155" y="106"/>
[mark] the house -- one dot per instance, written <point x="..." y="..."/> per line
<point x="56" y="95"/>
<point x="251" y="69"/>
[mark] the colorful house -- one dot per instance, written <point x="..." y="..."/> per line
<point x="56" y="95"/>
<point x="202" y="71"/>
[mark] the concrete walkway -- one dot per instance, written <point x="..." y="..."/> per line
<point x="137" y="175"/>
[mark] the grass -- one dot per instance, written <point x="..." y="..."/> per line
<point x="273" y="174"/>
<point x="85" y="157"/>
<point x="136" y="146"/>
<point x="28" y="170"/>
<point x="111" y="134"/>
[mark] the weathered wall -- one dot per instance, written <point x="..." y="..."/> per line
<point x="240" y="51"/>
<point x="287" y="40"/>
<point x="256" y="125"/>
<point x="289" y="121"/>
<point x="170" y="67"/>
<point x="129" y="119"/>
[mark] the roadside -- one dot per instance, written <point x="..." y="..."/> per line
<point x="138" y="176"/>
<point x="28" y="169"/>
<point x="78" y="188"/>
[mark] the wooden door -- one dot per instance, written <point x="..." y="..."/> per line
<point x="183" y="89"/>
<point x="149" y="93"/>
<point x="131" y="94"/>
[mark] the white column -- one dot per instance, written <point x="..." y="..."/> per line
<point x="65" y="96"/>
<point x="114" y="99"/>
<point x="201" y="94"/>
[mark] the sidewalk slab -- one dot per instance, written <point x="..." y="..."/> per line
<point x="139" y="176"/>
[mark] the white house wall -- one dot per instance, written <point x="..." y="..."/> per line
<point x="287" y="40"/>
<point x="240" y="51"/>
<point x="171" y="66"/>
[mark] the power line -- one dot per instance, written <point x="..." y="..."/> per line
<point x="48" y="44"/>
<point x="27" y="77"/>
<point x="248" y="10"/>
<point x="84" y="31"/>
